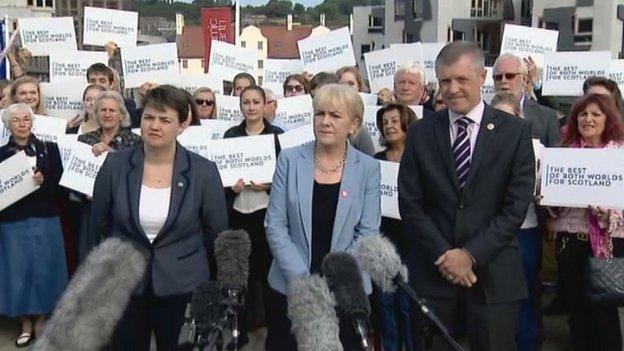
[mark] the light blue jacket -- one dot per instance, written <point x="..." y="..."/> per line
<point x="289" y="216"/>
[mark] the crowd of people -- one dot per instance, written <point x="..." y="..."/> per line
<point x="472" y="225"/>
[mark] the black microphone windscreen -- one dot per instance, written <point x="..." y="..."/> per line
<point x="312" y="311"/>
<point x="206" y="303"/>
<point x="344" y="279"/>
<point x="88" y="311"/>
<point x="379" y="258"/>
<point x="232" y="249"/>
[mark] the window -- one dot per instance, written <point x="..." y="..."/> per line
<point x="551" y="25"/>
<point x="375" y="24"/>
<point x="457" y="35"/>
<point x="260" y="64"/>
<point x="260" y="45"/>
<point x="202" y="63"/>
<point x="278" y="45"/>
<point x="184" y="64"/>
<point x="483" y="8"/>
<point x="399" y="8"/>
<point x="583" y="31"/>
<point x="364" y="49"/>
<point x="260" y="81"/>
<point x="29" y="2"/>
<point x="243" y="44"/>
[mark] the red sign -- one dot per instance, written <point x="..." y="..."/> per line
<point x="217" y="25"/>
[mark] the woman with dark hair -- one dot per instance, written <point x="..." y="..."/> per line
<point x="295" y="85"/>
<point x="169" y="203"/>
<point x="604" y="86"/>
<point x="393" y="121"/>
<point x="250" y="201"/>
<point x="593" y="122"/>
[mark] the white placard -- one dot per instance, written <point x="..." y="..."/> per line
<point x="418" y="110"/>
<point x="16" y="179"/>
<point x="227" y="60"/>
<point x="296" y="137"/>
<point x="369" y="99"/>
<point x="430" y="52"/>
<point x="43" y="36"/>
<point x="616" y="73"/>
<point x="380" y="68"/>
<point x="251" y="158"/>
<point x="81" y="169"/>
<point x="195" y="138"/>
<point x="228" y="108"/>
<point x="49" y="128"/>
<point x="389" y="189"/>
<point x="565" y="72"/>
<point x="192" y="82"/>
<point x="72" y="66"/>
<point x="62" y="100"/>
<point x="217" y="127"/>
<point x="487" y="89"/>
<point x="408" y="54"/>
<point x="104" y="25"/>
<point x="294" y="111"/>
<point x="156" y="63"/>
<point x="327" y="52"/>
<point x="4" y="134"/>
<point x="575" y="177"/>
<point x="65" y="144"/>
<point x="370" y="122"/>
<point x="276" y="71"/>
<point x="528" y="41"/>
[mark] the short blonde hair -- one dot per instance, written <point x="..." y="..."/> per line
<point x="8" y="112"/>
<point x="113" y="95"/>
<point x="342" y="97"/>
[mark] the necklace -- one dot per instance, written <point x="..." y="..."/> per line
<point x="317" y="164"/>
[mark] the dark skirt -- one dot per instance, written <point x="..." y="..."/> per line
<point x="33" y="270"/>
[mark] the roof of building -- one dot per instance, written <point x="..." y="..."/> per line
<point x="191" y="43"/>
<point x="282" y="43"/>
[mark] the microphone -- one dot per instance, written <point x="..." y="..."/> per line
<point x="379" y="258"/>
<point x="344" y="279"/>
<point x="232" y="250"/>
<point x="94" y="301"/>
<point x="204" y="318"/>
<point x="311" y="309"/>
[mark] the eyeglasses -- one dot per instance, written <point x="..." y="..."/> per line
<point x="200" y="102"/>
<point x="508" y="76"/>
<point x="18" y="121"/>
<point x="297" y="88"/>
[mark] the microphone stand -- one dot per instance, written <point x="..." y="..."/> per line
<point x="427" y="312"/>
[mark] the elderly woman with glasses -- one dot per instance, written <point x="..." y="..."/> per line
<point x="33" y="270"/>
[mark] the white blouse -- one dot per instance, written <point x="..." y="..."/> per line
<point x="153" y="209"/>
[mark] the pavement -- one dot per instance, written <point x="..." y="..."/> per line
<point x="557" y="335"/>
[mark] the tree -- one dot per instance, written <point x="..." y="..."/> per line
<point x="298" y="9"/>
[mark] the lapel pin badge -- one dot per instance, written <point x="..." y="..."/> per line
<point x="180" y="184"/>
<point x="490" y="126"/>
<point x="344" y="193"/>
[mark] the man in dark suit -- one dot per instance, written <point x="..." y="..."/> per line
<point x="510" y="74"/>
<point x="465" y="183"/>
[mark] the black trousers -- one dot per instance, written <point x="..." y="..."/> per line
<point x="592" y="326"/>
<point x="144" y="314"/>
<point x="256" y="299"/>
<point x="489" y="327"/>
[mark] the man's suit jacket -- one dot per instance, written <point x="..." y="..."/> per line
<point x="482" y="218"/>
<point x="289" y="215"/>
<point x="544" y="122"/>
<point x="178" y="257"/>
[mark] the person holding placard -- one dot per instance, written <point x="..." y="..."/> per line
<point x="249" y="203"/>
<point x="351" y="76"/>
<point x="99" y="73"/>
<point x="593" y="122"/>
<point x="295" y="85"/>
<point x="205" y="100"/>
<point x="33" y="270"/>
<point x="325" y="195"/>
<point x="242" y="81"/>
<point x="393" y="122"/>
<point x="465" y="183"/>
<point x="604" y="86"/>
<point x="170" y="204"/>
<point x="89" y="121"/>
<point x="26" y="89"/>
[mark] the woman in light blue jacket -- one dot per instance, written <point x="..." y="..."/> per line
<point x="325" y="194"/>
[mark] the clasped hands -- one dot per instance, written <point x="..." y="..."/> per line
<point x="455" y="265"/>
<point x="240" y="185"/>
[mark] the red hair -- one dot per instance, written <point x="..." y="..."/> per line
<point x="613" y="131"/>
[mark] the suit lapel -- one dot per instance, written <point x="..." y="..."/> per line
<point x="348" y="188"/>
<point x="179" y="186"/>
<point x="487" y="131"/>
<point x="134" y="180"/>
<point x="305" y="183"/>
<point x="443" y="140"/>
